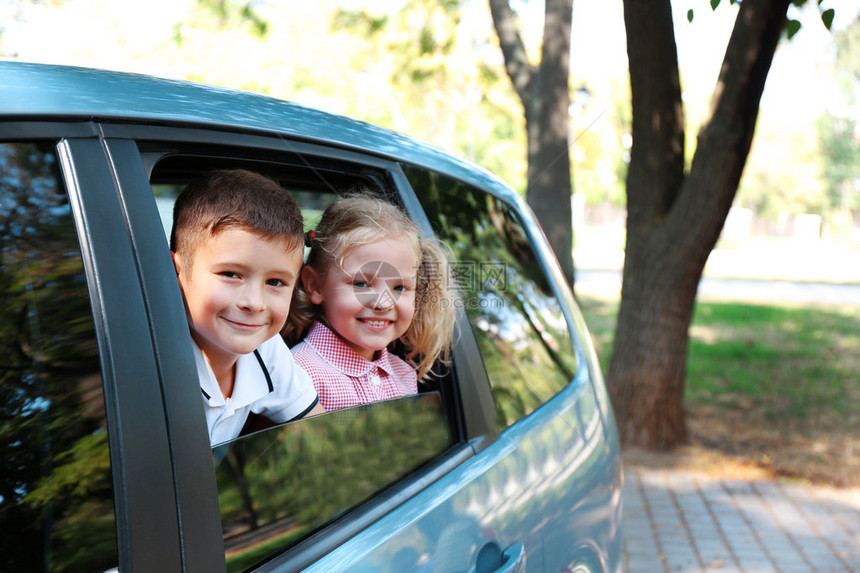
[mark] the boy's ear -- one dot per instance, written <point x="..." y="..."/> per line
<point x="177" y="262"/>
<point x="312" y="283"/>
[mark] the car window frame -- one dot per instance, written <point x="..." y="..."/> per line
<point x="477" y="423"/>
<point x="131" y="170"/>
<point x="127" y="367"/>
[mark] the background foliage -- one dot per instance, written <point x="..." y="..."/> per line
<point x="433" y="70"/>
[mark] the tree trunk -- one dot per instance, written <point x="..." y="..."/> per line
<point x="675" y="220"/>
<point x="549" y="191"/>
<point x="545" y="97"/>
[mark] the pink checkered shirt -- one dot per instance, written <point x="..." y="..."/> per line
<point x="342" y="378"/>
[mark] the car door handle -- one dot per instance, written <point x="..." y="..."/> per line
<point x="491" y="559"/>
<point x="513" y="559"/>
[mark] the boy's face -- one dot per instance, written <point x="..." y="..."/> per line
<point x="237" y="292"/>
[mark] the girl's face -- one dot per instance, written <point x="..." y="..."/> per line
<point x="369" y="300"/>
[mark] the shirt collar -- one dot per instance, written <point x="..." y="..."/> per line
<point x="335" y="351"/>
<point x="250" y="383"/>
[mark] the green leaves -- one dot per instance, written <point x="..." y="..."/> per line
<point x="244" y="14"/>
<point x="360" y="21"/>
<point x="827" y="17"/>
<point x="714" y="4"/>
<point x="792" y="27"/>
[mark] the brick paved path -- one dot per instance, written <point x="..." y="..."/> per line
<point x="683" y="521"/>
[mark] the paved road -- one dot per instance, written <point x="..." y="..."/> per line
<point x="608" y="283"/>
<point x="683" y="521"/>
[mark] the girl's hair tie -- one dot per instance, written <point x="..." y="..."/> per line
<point x="309" y="236"/>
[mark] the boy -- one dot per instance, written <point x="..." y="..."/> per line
<point x="237" y="245"/>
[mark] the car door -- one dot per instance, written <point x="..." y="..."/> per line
<point x="503" y="463"/>
<point x="543" y="495"/>
<point x="304" y="520"/>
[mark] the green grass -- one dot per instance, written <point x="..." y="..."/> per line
<point x="797" y="367"/>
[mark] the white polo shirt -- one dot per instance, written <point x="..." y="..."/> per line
<point x="286" y="394"/>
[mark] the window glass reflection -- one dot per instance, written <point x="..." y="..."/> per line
<point x="277" y="486"/>
<point x="521" y="331"/>
<point x="56" y="495"/>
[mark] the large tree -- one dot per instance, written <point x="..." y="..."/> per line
<point x="674" y="215"/>
<point x="544" y="92"/>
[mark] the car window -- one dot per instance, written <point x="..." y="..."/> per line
<point x="279" y="485"/>
<point x="56" y="493"/>
<point x="521" y="330"/>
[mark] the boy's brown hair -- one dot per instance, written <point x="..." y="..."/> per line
<point x="233" y="198"/>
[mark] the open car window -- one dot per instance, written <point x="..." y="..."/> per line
<point x="279" y="485"/>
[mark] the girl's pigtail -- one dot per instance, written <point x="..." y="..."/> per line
<point x="429" y="337"/>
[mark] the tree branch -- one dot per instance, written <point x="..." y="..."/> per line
<point x="724" y="142"/>
<point x="657" y="157"/>
<point x="745" y="68"/>
<point x="517" y="64"/>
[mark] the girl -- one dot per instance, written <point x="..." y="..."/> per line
<point x="370" y="281"/>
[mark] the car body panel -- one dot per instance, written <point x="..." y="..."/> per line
<point x="82" y="93"/>
<point x="520" y="487"/>
<point x="544" y="495"/>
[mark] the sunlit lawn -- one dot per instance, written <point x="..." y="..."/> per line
<point x="778" y="385"/>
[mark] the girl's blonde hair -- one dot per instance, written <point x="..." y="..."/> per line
<point x="363" y="219"/>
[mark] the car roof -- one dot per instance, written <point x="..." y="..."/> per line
<point x="30" y="91"/>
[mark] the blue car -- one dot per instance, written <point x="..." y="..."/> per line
<point x="506" y="461"/>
